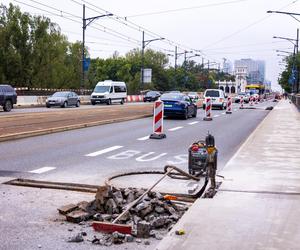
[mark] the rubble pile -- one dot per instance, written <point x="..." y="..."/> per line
<point x="150" y="217"/>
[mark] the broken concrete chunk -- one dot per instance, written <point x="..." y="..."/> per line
<point x="102" y="194"/>
<point x="67" y="209"/>
<point x="143" y="229"/>
<point x="106" y="217"/>
<point x="159" y="209"/>
<point x="145" y="211"/>
<point x="77" y="216"/>
<point x="130" y="197"/>
<point x="118" y="198"/>
<point x="128" y="238"/>
<point x="77" y="238"/>
<point x="111" y="206"/>
<point x="159" y="222"/>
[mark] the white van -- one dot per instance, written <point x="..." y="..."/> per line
<point x="109" y="92"/>
<point x="218" y="98"/>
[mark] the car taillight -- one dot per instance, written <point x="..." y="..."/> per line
<point x="195" y="148"/>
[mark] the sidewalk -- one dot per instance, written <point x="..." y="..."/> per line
<point x="258" y="204"/>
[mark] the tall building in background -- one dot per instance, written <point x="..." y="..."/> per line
<point x="255" y="69"/>
<point x="227" y="66"/>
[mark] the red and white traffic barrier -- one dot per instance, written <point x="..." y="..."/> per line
<point x="229" y="103"/>
<point x="208" y="108"/>
<point x="242" y="103"/>
<point x="158" y="120"/>
<point x="135" y="98"/>
<point x="251" y="100"/>
<point x="256" y="100"/>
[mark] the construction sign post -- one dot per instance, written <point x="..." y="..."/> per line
<point x="208" y="108"/>
<point x="158" y="117"/>
<point x="229" y="102"/>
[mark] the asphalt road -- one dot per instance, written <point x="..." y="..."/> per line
<point x="91" y="155"/>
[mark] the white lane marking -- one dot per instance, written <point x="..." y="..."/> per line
<point x="103" y="151"/>
<point x="216" y="115"/>
<point x="192" y="123"/>
<point x="223" y="113"/>
<point x="41" y="170"/>
<point x="143" y="138"/>
<point x="235" y="109"/>
<point x="176" y="128"/>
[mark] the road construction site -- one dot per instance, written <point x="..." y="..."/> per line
<point x="92" y="155"/>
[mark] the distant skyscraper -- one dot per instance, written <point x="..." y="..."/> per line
<point x="255" y="69"/>
<point x="227" y="66"/>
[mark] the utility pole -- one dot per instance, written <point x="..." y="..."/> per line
<point x="84" y="25"/>
<point x="175" y="58"/>
<point x="297" y="63"/>
<point x="144" y="44"/>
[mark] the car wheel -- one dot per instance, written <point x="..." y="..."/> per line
<point x="65" y="104"/>
<point x="7" y="106"/>
<point x="186" y="114"/>
<point x="122" y="101"/>
<point x="78" y="104"/>
<point x="47" y="106"/>
<point x="195" y="113"/>
<point x="108" y="102"/>
<point x="93" y="103"/>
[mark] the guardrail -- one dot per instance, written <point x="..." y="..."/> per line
<point x="295" y="99"/>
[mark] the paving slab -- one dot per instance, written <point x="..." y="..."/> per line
<point x="258" y="204"/>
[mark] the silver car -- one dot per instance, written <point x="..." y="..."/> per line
<point x="245" y="96"/>
<point x="63" y="99"/>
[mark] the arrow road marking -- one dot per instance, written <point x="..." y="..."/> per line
<point x="103" y="151"/>
<point x="41" y="170"/>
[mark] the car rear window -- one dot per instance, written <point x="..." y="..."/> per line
<point x="171" y="96"/>
<point x="212" y="93"/>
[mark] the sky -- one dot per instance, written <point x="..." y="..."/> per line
<point x="214" y="29"/>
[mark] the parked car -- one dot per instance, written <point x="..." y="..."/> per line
<point x="194" y="96"/>
<point x="108" y="92"/>
<point x="246" y="97"/>
<point x="177" y="104"/>
<point x="218" y="98"/>
<point x="152" y="96"/>
<point x="63" y="99"/>
<point x="8" y="97"/>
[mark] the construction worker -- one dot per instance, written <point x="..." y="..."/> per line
<point x="211" y="160"/>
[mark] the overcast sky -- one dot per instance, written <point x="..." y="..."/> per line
<point x="231" y="29"/>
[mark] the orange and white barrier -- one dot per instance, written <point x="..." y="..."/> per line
<point x="208" y="108"/>
<point x="158" y="119"/>
<point x="242" y="103"/>
<point x="135" y="98"/>
<point x="229" y="104"/>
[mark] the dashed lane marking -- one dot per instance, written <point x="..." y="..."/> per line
<point x="216" y="115"/>
<point x="174" y="129"/>
<point x="192" y="123"/>
<point x="103" y="151"/>
<point x="223" y="113"/>
<point x="143" y="138"/>
<point x="41" y="170"/>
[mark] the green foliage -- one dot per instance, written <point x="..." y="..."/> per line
<point x="285" y="75"/>
<point x="34" y="53"/>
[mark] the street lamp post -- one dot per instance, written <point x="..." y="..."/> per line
<point x="286" y="13"/>
<point x="86" y="22"/>
<point x="144" y="44"/>
<point x="295" y="42"/>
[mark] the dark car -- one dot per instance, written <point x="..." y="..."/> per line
<point x="8" y="97"/>
<point x="151" y="96"/>
<point x="177" y="104"/>
<point x="63" y="99"/>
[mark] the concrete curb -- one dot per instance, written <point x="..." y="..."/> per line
<point x="67" y="128"/>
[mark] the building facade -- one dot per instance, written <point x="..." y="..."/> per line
<point x="255" y="70"/>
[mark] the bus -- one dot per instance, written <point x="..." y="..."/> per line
<point x="255" y="89"/>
